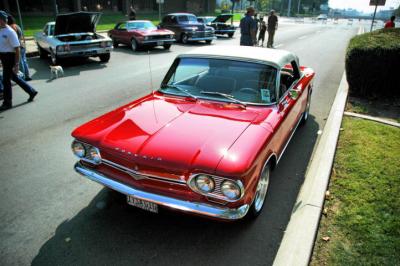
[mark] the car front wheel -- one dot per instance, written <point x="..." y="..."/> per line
<point x="208" y="41"/>
<point x="167" y="46"/>
<point x="115" y="43"/>
<point x="105" y="58"/>
<point x="184" y="38"/>
<point x="42" y="52"/>
<point x="261" y="192"/>
<point x="134" y="45"/>
<point x="230" y="35"/>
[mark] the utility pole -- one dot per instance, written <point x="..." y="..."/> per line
<point x="55" y="8"/>
<point x="298" y="6"/>
<point x="289" y="8"/>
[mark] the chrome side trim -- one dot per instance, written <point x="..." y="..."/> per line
<point x="176" y="204"/>
<point x="137" y="175"/>
<point x="201" y="38"/>
<point x="287" y="143"/>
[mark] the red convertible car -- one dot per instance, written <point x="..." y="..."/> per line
<point x="206" y="142"/>
<point x="140" y="33"/>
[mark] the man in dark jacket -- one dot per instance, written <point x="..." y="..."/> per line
<point x="248" y="27"/>
<point x="272" y="27"/>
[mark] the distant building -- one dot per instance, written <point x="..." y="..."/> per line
<point x="142" y="6"/>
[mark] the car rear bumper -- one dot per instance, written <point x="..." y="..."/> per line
<point x="198" y="208"/>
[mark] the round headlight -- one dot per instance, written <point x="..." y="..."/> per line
<point x="205" y="183"/>
<point x="230" y="189"/>
<point x="94" y="155"/>
<point x="146" y="38"/>
<point x="78" y="149"/>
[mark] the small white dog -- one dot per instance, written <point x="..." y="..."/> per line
<point x="55" y="71"/>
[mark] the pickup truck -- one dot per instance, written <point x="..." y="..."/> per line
<point x="73" y="35"/>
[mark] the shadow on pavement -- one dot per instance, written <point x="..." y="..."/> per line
<point x="71" y="66"/>
<point x="122" y="235"/>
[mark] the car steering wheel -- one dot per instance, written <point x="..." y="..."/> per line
<point x="249" y="90"/>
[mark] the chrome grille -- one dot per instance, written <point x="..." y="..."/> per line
<point x="83" y="47"/>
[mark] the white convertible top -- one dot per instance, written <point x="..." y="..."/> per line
<point x="275" y="57"/>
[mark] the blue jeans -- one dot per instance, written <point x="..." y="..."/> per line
<point x="7" y="60"/>
<point x="23" y="63"/>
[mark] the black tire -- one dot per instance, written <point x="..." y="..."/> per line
<point x="230" y="35"/>
<point x="208" y="41"/>
<point x="134" y="45"/>
<point x="104" y="58"/>
<point x="306" y="112"/>
<point x="184" y="38"/>
<point x="167" y="46"/>
<point x="262" y="187"/>
<point x="42" y="53"/>
<point x="115" y="43"/>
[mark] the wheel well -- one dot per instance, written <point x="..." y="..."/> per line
<point x="272" y="160"/>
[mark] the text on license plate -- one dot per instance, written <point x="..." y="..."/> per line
<point x="142" y="204"/>
<point x="160" y="43"/>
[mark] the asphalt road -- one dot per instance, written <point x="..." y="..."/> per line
<point x="52" y="216"/>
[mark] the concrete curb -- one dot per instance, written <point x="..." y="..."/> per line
<point x="375" y="119"/>
<point x="298" y="241"/>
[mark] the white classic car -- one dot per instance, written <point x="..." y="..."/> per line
<point x="73" y="35"/>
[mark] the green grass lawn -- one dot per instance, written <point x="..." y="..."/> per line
<point x="363" y="212"/>
<point x="33" y="24"/>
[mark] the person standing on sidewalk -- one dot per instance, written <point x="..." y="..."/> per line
<point x="9" y="56"/>
<point x="261" y="35"/>
<point x="23" y="63"/>
<point x="390" y="23"/>
<point x="248" y="28"/>
<point x="272" y="27"/>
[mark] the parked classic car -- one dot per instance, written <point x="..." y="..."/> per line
<point x="187" y="28"/>
<point x="206" y="142"/>
<point x="73" y="35"/>
<point x="140" y="33"/>
<point x="219" y="24"/>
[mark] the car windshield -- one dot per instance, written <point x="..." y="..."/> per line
<point x="222" y="80"/>
<point x="210" y="19"/>
<point x="187" y="19"/>
<point x="141" y="25"/>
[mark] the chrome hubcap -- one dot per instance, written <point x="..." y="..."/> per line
<point x="262" y="188"/>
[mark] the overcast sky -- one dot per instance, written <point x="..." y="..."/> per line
<point x="362" y="5"/>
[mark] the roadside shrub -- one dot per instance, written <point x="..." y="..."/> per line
<point x="373" y="64"/>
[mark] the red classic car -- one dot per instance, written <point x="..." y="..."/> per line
<point x="140" y="33"/>
<point x="206" y="141"/>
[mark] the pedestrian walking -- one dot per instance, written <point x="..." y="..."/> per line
<point x="390" y="23"/>
<point x="9" y="56"/>
<point x="23" y="63"/>
<point x="132" y="13"/>
<point x="248" y="28"/>
<point x="261" y="35"/>
<point x="272" y="27"/>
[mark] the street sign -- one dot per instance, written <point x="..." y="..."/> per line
<point x="377" y="2"/>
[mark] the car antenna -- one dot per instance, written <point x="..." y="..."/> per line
<point x="151" y="75"/>
<point x="152" y="87"/>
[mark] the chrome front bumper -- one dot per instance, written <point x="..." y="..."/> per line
<point x="85" y="52"/>
<point x="202" y="38"/>
<point x="181" y="205"/>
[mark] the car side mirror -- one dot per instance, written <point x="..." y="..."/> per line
<point x="294" y="94"/>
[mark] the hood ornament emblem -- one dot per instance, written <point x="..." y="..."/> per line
<point x="136" y="155"/>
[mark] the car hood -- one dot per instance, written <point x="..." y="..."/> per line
<point x="222" y="18"/>
<point x="153" y="31"/>
<point x="171" y="133"/>
<point x="76" y="22"/>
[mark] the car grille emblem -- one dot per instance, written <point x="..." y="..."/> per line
<point x="136" y="155"/>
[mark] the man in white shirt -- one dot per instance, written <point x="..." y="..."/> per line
<point x="9" y="55"/>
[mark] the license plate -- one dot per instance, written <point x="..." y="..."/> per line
<point x="142" y="204"/>
<point x="160" y="43"/>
